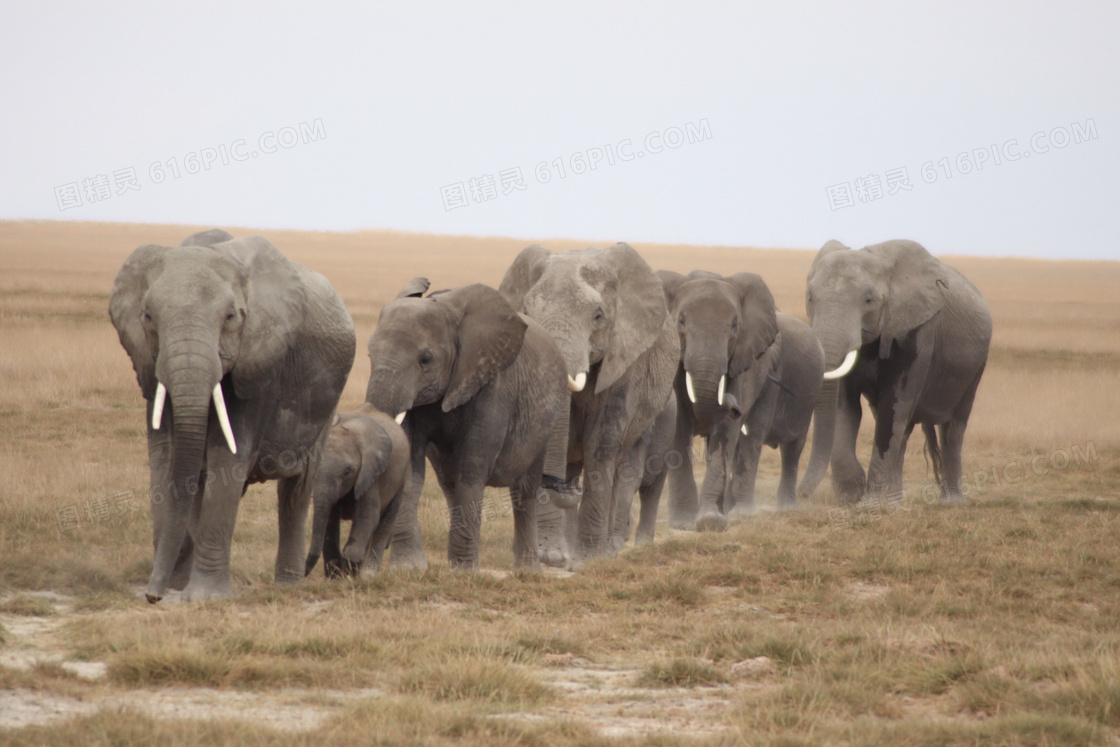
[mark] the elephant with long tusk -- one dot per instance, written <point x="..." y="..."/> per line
<point x="242" y="355"/>
<point x="911" y="335"/>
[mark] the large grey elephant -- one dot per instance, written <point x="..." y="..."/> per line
<point x="606" y="309"/>
<point x="482" y="393"/>
<point x="241" y="355"/>
<point x="910" y="334"/>
<point x="362" y="477"/>
<point x="748" y="375"/>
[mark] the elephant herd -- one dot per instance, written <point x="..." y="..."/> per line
<point x="580" y="381"/>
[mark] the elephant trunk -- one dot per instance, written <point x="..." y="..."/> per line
<point x="706" y="385"/>
<point x="189" y="369"/>
<point x="324" y="502"/>
<point x="367" y="513"/>
<point x="824" y="429"/>
<point x="389" y="393"/>
<point x="838" y="343"/>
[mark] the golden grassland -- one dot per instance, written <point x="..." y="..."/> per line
<point x="997" y="622"/>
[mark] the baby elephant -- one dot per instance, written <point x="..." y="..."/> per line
<point x="361" y="479"/>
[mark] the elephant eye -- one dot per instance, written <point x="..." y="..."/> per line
<point x="598" y="317"/>
<point x="346" y="472"/>
<point x="680" y="320"/>
<point x="147" y="317"/>
<point x="425" y="357"/>
<point x="230" y="316"/>
<point x="870" y="300"/>
<point x="734" y="324"/>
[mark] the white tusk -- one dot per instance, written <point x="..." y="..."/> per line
<point x="223" y="417"/>
<point x="845" y="367"/>
<point x="577" y="384"/>
<point x="400" y="416"/>
<point x="722" y="388"/>
<point x="746" y="431"/>
<point x="688" y="386"/>
<point x="157" y="405"/>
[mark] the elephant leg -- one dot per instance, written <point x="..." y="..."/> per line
<point x="721" y="449"/>
<point x="787" y="486"/>
<point x="212" y="519"/>
<point x="379" y="541"/>
<point x="683" y="503"/>
<point x="332" y="547"/>
<point x="596" y="508"/>
<point x="629" y="478"/>
<point x="746" y="473"/>
<point x="294" y="497"/>
<point x="523" y="498"/>
<point x="650" y="495"/>
<point x="159" y="457"/>
<point x="465" y="505"/>
<point x="952" y="445"/>
<point x="848" y="478"/>
<point x="407" y="545"/>
<point x="552" y="547"/>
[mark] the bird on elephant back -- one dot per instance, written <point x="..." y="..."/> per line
<point x="748" y="375"/>
<point x="481" y="393"/>
<point x="241" y="355"/>
<point x="606" y="310"/>
<point x="910" y="335"/>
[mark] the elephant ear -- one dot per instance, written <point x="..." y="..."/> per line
<point x="415" y="288"/>
<point x="523" y="274"/>
<point x="376" y="447"/>
<point x="759" y="326"/>
<point x="640" y="313"/>
<point x="275" y="298"/>
<point x="670" y="281"/>
<point x="207" y="238"/>
<point x="490" y="336"/>
<point x="916" y="281"/>
<point x="131" y="285"/>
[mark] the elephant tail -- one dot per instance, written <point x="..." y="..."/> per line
<point x="933" y="451"/>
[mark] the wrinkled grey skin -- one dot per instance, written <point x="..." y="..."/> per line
<point x="654" y="458"/>
<point x="606" y="310"/>
<point x="780" y="417"/>
<point x="278" y="338"/>
<point x="486" y="401"/>
<point x="728" y="329"/>
<point x="922" y="333"/>
<point x="362" y="477"/>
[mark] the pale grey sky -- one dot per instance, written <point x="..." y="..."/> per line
<point x="792" y="121"/>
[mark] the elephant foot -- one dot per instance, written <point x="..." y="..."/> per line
<point x="201" y="591"/>
<point x="787" y="504"/>
<point x="552" y="548"/>
<point x="643" y="538"/>
<point x="407" y="559"/>
<point x="742" y="510"/>
<point x="618" y="542"/>
<point x="711" y="522"/>
<point x="953" y="499"/>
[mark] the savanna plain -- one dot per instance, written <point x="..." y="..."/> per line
<point x="997" y="622"/>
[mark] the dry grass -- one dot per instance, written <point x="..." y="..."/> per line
<point x="993" y="623"/>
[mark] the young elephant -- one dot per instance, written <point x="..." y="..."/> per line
<point x="482" y="392"/>
<point x="780" y="417"/>
<point x="734" y="362"/>
<point x="362" y="476"/>
<point x="653" y="458"/>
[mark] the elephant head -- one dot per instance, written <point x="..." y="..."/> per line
<point x="878" y="294"/>
<point x="604" y="307"/>
<point x="355" y="455"/>
<point x="729" y="337"/>
<point x="443" y="348"/>
<point x="201" y="324"/>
